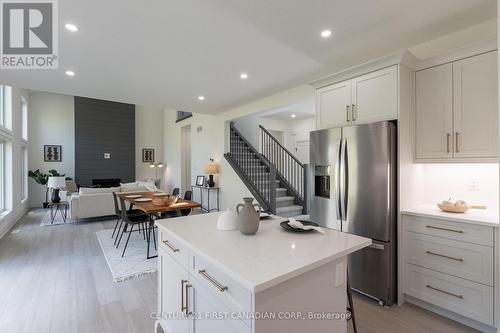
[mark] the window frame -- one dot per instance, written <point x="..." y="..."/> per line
<point x="24" y="172"/>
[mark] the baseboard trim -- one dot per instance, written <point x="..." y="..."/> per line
<point x="451" y="315"/>
<point x="6" y="225"/>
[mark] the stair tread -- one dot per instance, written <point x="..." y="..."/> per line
<point x="288" y="208"/>
<point x="286" y="198"/>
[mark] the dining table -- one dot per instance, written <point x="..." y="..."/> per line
<point x="154" y="210"/>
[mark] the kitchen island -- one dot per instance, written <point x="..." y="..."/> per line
<point x="275" y="281"/>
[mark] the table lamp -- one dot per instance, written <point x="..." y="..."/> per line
<point x="56" y="183"/>
<point x="211" y="169"/>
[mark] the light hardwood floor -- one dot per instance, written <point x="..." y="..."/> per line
<point x="55" y="279"/>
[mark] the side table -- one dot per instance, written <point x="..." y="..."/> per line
<point x="61" y="207"/>
<point x="208" y="190"/>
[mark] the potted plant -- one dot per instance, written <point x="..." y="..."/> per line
<point x="42" y="179"/>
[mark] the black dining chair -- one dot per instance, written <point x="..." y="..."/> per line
<point x="187" y="196"/>
<point x="130" y="221"/>
<point x="176" y="191"/>
<point x="184" y="212"/>
<point x="118" y="213"/>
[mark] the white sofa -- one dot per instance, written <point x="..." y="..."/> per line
<point x="96" y="202"/>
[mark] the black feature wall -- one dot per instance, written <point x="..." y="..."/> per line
<point x="104" y="127"/>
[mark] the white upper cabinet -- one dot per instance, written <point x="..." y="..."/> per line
<point x="456" y="110"/>
<point x="475" y="92"/>
<point x="434" y="112"/>
<point x="365" y="99"/>
<point x="333" y="105"/>
<point x="375" y="96"/>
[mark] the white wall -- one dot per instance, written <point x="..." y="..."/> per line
<point x="211" y="142"/>
<point x="51" y="122"/>
<point x="148" y="134"/>
<point x="297" y="136"/>
<point x="15" y="208"/>
<point x="476" y="183"/>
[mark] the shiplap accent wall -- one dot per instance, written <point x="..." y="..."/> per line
<point x="104" y="127"/>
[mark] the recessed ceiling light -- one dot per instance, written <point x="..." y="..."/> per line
<point x="293" y="116"/>
<point x="201" y="98"/>
<point x="71" y="27"/>
<point x="244" y="76"/>
<point x="326" y="33"/>
<point x="70" y="73"/>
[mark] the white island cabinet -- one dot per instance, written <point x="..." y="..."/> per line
<point x="275" y="281"/>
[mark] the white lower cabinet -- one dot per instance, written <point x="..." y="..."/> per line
<point x="195" y="299"/>
<point x="210" y="315"/>
<point x="451" y="265"/>
<point x="173" y="287"/>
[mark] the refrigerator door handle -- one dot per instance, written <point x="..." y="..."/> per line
<point x="337" y="181"/>
<point x="342" y="180"/>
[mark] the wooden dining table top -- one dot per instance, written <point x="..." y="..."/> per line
<point x="151" y="208"/>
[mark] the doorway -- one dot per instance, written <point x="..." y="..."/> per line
<point x="185" y="159"/>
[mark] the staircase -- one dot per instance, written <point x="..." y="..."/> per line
<point x="275" y="179"/>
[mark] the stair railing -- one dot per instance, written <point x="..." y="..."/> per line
<point x="290" y="171"/>
<point x="255" y="171"/>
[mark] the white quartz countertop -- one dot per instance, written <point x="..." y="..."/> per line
<point x="266" y="259"/>
<point x="475" y="216"/>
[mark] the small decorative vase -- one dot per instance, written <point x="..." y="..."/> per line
<point x="248" y="216"/>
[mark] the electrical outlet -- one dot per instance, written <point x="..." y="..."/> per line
<point x="339" y="274"/>
<point x="473" y="186"/>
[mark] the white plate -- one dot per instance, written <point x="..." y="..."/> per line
<point x="143" y="200"/>
<point x="160" y="194"/>
<point x="133" y="196"/>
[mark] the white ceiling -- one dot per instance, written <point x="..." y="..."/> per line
<point x="301" y="110"/>
<point x="166" y="53"/>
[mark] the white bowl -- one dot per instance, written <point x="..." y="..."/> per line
<point x="228" y="221"/>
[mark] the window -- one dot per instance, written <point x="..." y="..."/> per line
<point x="6" y="107"/>
<point x="24" y="119"/>
<point x="24" y="173"/>
<point x="2" y="176"/>
<point x="181" y="115"/>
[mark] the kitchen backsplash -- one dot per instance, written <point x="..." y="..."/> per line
<point x="475" y="183"/>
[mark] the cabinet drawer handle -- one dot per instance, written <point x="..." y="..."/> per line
<point x="216" y="284"/>
<point x="354" y="115"/>
<point x="170" y="246"/>
<point x="448" y="140"/>
<point x="183" y="307"/>
<point x="186" y="308"/>
<point x="347" y="113"/>
<point x="445" y="292"/>
<point x="457" y="150"/>
<point x="445" y="229"/>
<point x="444" y="256"/>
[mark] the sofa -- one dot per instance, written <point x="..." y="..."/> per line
<point x="97" y="202"/>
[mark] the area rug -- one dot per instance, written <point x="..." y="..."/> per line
<point x="134" y="262"/>
<point x="58" y="220"/>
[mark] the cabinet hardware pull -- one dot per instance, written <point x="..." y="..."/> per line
<point x="187" y="312"/>
<point x="457" y="150"/>
<point x="216" y="284"/>
<point x="444" y="256"/>
<point x="170" y="246"/>
<point x="445" y="292"/>
<point x="448" y="137"/>
<point x="347" y="113"/>
<point x="354" y="113"/>
<point x="183" y="307"/>
<point x="445" y="229"/>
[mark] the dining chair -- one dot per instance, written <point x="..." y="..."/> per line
<point x="118" y="213"/>
<point x="132" y="221"/>
<point x="187" y="196"/>
<point x="176" y="191"/>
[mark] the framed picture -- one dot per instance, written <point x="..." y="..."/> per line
<point x="148" y="155"/>
<point x="52" y="153"/>
<point x="200" y="180"/>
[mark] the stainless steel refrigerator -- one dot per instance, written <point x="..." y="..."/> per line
<point x="354" y="190"/>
